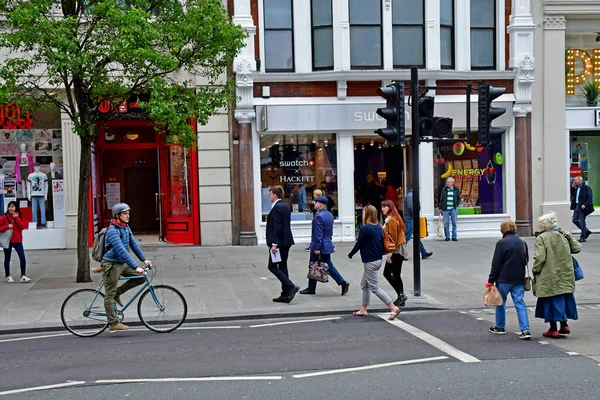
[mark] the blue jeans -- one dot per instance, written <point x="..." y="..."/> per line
<point x="38" y="202"/>
<point x="20" y="252"/>
<point x="333" y="272"/>
<point x="450" y="215"/>
<point x="517" y="292"/>
<point x="408" y="234"/>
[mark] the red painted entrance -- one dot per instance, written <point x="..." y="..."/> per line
<point x="132" y="163"/>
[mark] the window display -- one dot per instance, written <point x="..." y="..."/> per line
<point x="300" y="164"/>
<point x="477" y="171"/>
<point x="584" y="144"/>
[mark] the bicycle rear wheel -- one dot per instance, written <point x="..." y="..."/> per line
<point x="80" y="316"/>
<point x="163" y="312"/>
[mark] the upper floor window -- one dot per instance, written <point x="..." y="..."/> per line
<point x="322" y="34"/>
<point x="483" y="34"/>
<point x="447" y="34"/>
<point x="279" y="36"/>
<point x="365" y="34"/>
<point x="408" y="33"/>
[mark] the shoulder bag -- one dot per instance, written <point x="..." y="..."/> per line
<point x="577" y="271"/>
<point x="318" y="270"/>
<point x="388" y="241"/>
<point x="527" y="276"/>
<point x="5" y="238"/>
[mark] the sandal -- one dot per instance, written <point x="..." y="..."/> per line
<point x="394" y="315"/>
<point x="359" y="314"/>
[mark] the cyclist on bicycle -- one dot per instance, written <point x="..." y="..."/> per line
<point x="118" y="262"/>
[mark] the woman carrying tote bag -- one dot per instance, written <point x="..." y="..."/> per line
<point x="13" y="219"/>
<point x="394" y="226"/>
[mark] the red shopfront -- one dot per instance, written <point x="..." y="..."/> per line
<point x="132" y="163"/>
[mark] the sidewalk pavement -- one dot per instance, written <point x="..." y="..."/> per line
<point x="234" y="282"/>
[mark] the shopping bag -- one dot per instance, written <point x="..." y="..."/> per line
<point x="5" y="238"/>
<point x="491" y="297"/>
<point x="440" y="227"/>
<point x="318" y="270"/>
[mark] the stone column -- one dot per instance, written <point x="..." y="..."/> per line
<point x="71" y="145"/>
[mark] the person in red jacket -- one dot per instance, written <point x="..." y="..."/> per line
<point x="14" y="220"/>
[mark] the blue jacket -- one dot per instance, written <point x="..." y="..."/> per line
<point x="117" y="242"/>
<point x="322" y="231"/>
<point x="370" y="243"/>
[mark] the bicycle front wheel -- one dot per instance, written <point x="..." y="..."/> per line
<point x="83" y="313"/>
<point x="164" y="311"/>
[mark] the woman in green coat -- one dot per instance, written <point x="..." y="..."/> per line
<point x="554" y="279"/>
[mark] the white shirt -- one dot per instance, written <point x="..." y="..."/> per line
<point x="38" y="184"/>
<point x="577" y="195"/>
<point x="275" y="202"/>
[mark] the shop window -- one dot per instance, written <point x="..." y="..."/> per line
<point x="582" y="68"/>
<point x="483" y="34"/>
<point x="585" y="148"/>
<point x="279" y="36"/>
<point x="322" y="34"/>
<point x="300" y="164"/>
<point x="365" y="34"/>
<point x="447" y="33"/>
<point x="408" y="33"/>
<point x="477" y="171"/>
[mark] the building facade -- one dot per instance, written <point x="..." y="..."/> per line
<point x="307" y="83"/>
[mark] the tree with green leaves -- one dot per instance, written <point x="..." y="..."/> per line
<point x="73" y="54"/>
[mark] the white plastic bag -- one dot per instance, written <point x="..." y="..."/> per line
<point x="440" y="227"/>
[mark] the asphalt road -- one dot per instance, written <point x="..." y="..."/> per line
<point x="424" y="355"/>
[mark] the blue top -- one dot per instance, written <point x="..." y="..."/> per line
<point x="322" y="231"/>
<point x="370" y="243"/>
<point x="117" y="242"/>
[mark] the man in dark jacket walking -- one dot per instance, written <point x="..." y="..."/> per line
<point x="449" y="201"/>
<point x="582" y="206"/>
<point x="279" y="239"/>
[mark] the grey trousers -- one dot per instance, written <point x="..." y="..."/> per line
<point x="370" y="283"/>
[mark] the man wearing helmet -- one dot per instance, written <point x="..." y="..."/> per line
<point x="117" y="262"/>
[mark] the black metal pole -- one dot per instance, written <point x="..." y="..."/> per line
<point x="469" y="88"/>
<point x="414" y="90"/>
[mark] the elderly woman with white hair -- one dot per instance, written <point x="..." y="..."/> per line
<point x="554" y="279"/>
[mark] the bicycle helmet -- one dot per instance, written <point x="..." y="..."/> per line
<point x="119" y="208"/>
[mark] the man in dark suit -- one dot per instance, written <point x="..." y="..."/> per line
<point x="280" y="239"/>
<point x="582" y="205"/>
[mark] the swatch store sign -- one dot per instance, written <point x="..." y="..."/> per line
<point x="297" y="172"/>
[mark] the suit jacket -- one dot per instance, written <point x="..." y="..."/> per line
<point x="585" y="198"/>
<point x="279" y="231"/>
<point x="322" y="231"/>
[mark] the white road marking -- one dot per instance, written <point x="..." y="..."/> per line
<point x="480" y="319"/>
<point x="572" y="353"/>
<point x="208" y="327"/>
<point x="431" y="340"/>
<point x="31" y="389"/>
<point x="543" y="342"/>
<point x="202" y="379"/>
<point x="532" y="309"/>
<point x="294" y="322"/>
<point x="390" y="364"/>
<point x="34" y="337"/>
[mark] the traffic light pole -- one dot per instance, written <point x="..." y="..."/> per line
<point x="416" y="140"/>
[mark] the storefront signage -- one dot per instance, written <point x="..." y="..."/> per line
<point x="575" y="171"/>
<point x="58" y="203"/>
<point x="596" y="117"/>
<point x="11" y="117"/>
<point x="591" y="68"/>
<point x="120" y="106"/>
<point x="296" y="176"/>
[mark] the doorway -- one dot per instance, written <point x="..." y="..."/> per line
<point x="141" y="186"/>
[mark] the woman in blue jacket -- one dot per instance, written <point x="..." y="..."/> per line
<point x="118" y="262"/>
<point x="370" y="244"/>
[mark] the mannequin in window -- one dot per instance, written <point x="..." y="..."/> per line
<point x="2" y="192"/>
<point x="23" y="167"/>
<point x="52" y="175"/>
<point x="37" y="193"/>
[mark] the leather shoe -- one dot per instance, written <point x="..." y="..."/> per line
<point x="587" y="233"/>
<point x="447" y="240"/>
<point x="345" y="286"/>
<point x="581" y="240"/>
<point x="281" y="299"/>
<point x="425" y="256"/>
<point x="307" y="291"/>
<point x="454" y="239"/>
<point x="293" y="293"/>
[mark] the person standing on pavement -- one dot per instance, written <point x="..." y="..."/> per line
<point x="13" y="219"/>
<point x="279" y="240"/>
<point x="117" y="262"/>
<point x="408" y="222"/>
<point x="449" y="201"/>
<point x="393" y="264"/>
<point x="553" y="276"/>
<point x="321" y="245"/>
<point x="371" y="249"/>
<point x="508" y="273"/>
<point x="582" y="205"/>
<point x="316" y="193"/>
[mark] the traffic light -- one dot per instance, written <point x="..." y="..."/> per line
<point x="394" y="133"/>
<point x="442" y="127"/>
<point x="426" y="116"/>
<point x="486" y="114"/>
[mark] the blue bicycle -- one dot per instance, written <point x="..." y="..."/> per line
<point x="161" y="308"/>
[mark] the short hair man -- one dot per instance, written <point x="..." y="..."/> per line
<point x="449" y="201"/>
<point x="582" y="205"/>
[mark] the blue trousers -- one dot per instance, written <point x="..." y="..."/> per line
<point x="38" y="202"/>
<point x="333" y="272"/>
<point x="517" y="292"/>
<point x="409" y="230"/>
<point x="8" y="253"/>
<point x="450" y="215"/>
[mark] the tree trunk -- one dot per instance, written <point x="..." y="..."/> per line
<point x="83" y="209"/>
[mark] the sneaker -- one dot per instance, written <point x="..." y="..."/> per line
<point x="551" y="334"/>
<point x="497" y="331"/>
<point x="118" y="327"/>
<point x="9" y="279"/>
<point x="307" y="249"/>
<point x="565" y="330"/>
<point x="525" y="335"/>
<point x="25" y="279"/>
<point x="425" y="256"/>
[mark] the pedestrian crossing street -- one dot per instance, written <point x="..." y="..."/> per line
<point x="510" y="309"/>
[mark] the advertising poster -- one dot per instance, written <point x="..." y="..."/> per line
<point x="58" y="203"/>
